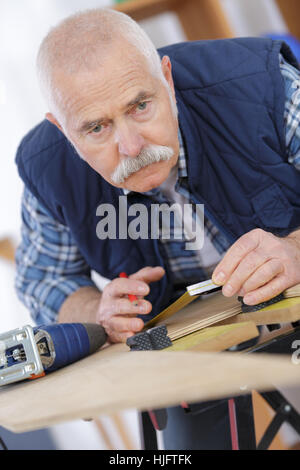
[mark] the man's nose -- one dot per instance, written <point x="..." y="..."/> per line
<point x="129" y="140"/>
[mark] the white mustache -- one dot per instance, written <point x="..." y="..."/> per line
<point x="150" y="154"/>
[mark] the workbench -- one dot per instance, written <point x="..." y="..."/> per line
<point x="115" y="379"/>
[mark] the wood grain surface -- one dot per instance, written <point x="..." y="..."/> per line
<point x="115" y="379"/>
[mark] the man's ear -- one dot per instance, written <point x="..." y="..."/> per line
<point x="166" y="67"/>
<point x="53" y="120"/>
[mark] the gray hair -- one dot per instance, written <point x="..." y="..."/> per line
<point x="75" y="45"/>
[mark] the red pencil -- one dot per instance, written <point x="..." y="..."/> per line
<point x="131" y="297"/>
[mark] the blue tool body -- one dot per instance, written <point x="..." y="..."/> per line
<point x="29" y="353"/>
<point x="71" y="343"/>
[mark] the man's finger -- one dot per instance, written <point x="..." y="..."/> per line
<point x="117" y="337"/>
<point x="124" y="306"/>
<point x="261" y="276"/>
<point x="266" y="292"/>
<point x="121" y="324"/>
<point x="149" y="274"/>
<point x="244" y="270"/>
<point x="244" y="245"/>
<point x="121" y="286"/>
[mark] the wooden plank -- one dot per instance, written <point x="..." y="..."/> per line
<point x="176" y="306"/>
<point x="200" y="19"/>
<point x="263" y="415"/>
<point x="115" y="379"/>
<point x="216" y="338"/>
<point x="285" y="311"/>
<point x="104" y="434"/>
<point x="124" y="435"/>
<point x="290" y="10"/>
<point x="202" y="313"/>
<point x="184" y="317"/>
<point x="7" y="249"/>
<point x="142" y="9"/>
<point x="203" y="19"/>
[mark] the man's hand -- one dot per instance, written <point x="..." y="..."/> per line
<point x="259" y="266"/>
<point x="116" y="313"/>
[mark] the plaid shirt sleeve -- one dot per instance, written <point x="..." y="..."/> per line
<point x="291" y="77"/>
<point x="49" y="264"/>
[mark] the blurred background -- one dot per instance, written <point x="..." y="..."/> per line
<point x="23" y="24"/>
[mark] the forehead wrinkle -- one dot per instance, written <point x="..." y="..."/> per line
<point x="96" y="86"/>
<point x="91" y="90"/>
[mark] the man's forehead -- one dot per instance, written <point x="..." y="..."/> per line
<point x="108" y="84"/>
<point x="110" y="61"/>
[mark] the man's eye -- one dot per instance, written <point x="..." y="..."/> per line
<point x="96" y="129"/>
<point x="142" y="106"/>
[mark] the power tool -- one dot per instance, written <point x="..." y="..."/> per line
<point x="31" y="352"/>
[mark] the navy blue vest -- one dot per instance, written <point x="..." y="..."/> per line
<point x="230" y="97"/>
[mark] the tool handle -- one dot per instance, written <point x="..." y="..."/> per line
<point x="73" y="341"/>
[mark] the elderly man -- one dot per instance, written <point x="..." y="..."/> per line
<point x="210" y="122"/>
